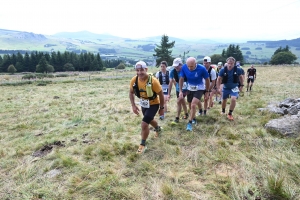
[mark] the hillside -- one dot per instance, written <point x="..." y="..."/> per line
<point x="12" y="41"/>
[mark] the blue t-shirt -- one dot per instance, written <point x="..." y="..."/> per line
<point x="230" y="84"/>
<point x="171" y="76"/>
<point x="195" y="77"/>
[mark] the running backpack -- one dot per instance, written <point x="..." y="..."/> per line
<point x="137" y="91"/>
<point x="235" y="75"/>
<point x="167" y="78"/>
<point x="176" y="77"/>
<point x="209" y="70"/>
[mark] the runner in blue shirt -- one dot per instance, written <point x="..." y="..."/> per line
<point x="195" y="74"/>
<point x="230" y="76"/>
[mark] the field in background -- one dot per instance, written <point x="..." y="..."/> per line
<point x="76" y="138"/>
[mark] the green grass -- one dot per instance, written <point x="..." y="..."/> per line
<point x="99" y="136"/>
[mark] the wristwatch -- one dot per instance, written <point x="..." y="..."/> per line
<point x="161" y="108"/>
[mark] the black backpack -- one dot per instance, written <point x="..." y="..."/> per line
<point x="176" y="77"/>
<point x="167" y="78"/>
<point x="235" y="75"/>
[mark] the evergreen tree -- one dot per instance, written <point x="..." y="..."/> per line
<point x="5" y="62"/>
<point x="26" y="63"/>
<point x="42" y="65"/>
<point x="233" y="51"/>
<point x="163" y="52"/>
<point x="100" y="62"/>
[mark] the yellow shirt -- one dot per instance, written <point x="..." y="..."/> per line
<point x="156" y="87"/>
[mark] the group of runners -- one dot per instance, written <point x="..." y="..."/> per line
<point x="192" y="81"/>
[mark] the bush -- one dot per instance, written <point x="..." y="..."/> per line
<point x="121" y="66"/>
<point x="40" y="76"/>
<point x="29" y="76"/>
<point x="50" y="76"/>
<point x="62" y="75"/>
<point x="16" y="83"/>
<point x="11" y="69"/>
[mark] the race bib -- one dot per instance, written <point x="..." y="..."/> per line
<point x="184" y="86"/>
<point x="145" y="103"/>
<point x="165" y="90"/>
<point x="236" y="89"/>
<point x="192" y="87"/>
<point x="251" y="77"/>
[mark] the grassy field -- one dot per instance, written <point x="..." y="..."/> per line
<point x="77" y="139"/>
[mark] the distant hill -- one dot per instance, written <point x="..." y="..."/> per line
<point x="109" y="46"/>
<point x="84" y="35"/>
<point x="282" y="43"/>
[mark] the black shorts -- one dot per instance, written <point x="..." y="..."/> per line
<point x="197" y="94"/>
<point x="183" y="93"/>
<point x="250" y="79"/>
<point x="149" y="113"/>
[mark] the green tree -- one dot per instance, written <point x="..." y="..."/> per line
<point x="215" y="58"/>
<point x="49" y="68"/>
<point x="11" y="69"/>
<point x="68" y="67"/>
<point x="42" y="66"/>
<point x="121" y="66"/>
<point x="163" y="52"/>
<point x="283" y="56"/>
<point x="234" y="51"/>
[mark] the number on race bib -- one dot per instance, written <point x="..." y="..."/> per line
<point x="236" y="89"/>
<point x="145" y="103"/>
<point x="184" y="85"/>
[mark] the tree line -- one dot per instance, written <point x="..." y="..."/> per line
<point x="55" y="61"/>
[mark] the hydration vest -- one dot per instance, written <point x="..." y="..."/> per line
<point x="235" y="75"/>
<point x="137" y="91"/>
<point x="176" y="77"/>
<point x="167" y="78"/>
<point x="209" y="70"/>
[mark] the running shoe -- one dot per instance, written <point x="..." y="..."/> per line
<point x="176" y="121"/>
<point x="161" y="117"/>
<point x="222" y="113"/>
<point x="189" y="127"/>
<point x="194" y="121"/>
<point x="157" y="131"/>
<point x="230" y="117"/>
<point x="141" y="149"/>
<point x="199" y="113"/>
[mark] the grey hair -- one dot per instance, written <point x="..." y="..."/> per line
<point x="230" y="58"/>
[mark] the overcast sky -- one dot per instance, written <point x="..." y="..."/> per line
<point x="202" y="19"/>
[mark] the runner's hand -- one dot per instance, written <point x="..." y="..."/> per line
<point x="136" y="110"/>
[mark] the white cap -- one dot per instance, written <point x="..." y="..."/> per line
<point x="176" y="62"/>
<point x="220" y="63"/>
<point x="208" y="59"/>
<point x="140" y="64"/>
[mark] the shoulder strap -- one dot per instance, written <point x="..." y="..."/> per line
<point x="209" y="70"/>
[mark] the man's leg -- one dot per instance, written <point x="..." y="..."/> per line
<point x="248" y="80"/>
<point x="194" y="105"/>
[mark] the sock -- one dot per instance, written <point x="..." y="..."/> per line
<point x="230" y="112"/>
<point x="200" y="110"/>
<point x="250" y="88"/>
<point x="143" y="142"/>
<point x="223" y="110"/>
<point x="204" y="112"/>
<point x="190" y="121"/>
